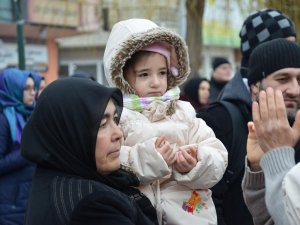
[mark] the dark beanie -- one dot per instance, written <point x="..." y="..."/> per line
<point x="261" y="26"/>
<point x="219" y="61"/>
<point x="272" y="56"/>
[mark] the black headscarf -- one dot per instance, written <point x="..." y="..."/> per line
<point x="191" y="88"/>
<point x="61" y="132"/>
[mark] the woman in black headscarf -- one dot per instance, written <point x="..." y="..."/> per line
<point x="196" y="91"/>
<point x="74" y="138"/>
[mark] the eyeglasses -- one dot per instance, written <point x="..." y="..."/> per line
<point x="29" y="88"/>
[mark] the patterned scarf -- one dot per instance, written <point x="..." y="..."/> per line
<point x="138" y="104"/>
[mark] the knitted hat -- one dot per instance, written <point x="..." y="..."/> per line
<point x="219" y="61"/>
<point x="272" y="56"/>
<point x="261" y="26"/>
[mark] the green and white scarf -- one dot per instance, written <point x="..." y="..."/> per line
<point x="138" y="104"/>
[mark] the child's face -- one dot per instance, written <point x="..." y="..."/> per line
<point x="148" y="76"/>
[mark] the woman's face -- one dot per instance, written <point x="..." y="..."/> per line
<point x="203" y="92"/>
<point x="29" y="92"/>
<point x="108" y="141"/>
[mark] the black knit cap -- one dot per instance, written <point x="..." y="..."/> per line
<point x="219" y="61"/>
<point x="272" y="56"/>
<point x="261" y="26"/>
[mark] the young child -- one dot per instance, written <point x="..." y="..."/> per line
<point x="176" y="156"/>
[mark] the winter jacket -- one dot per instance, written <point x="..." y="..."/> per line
<point x="174" y="189"/>
<point x="272" y="194"/>
<point x="15" y="178"/>
<point x="73" y="200"/>
<point x="216" y="88"/>
<point x="227" y="194"/>
<point x="178" y="198"/>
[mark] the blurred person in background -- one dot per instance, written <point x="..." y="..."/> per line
<point x="83" y="74"/>
<point x="222" y="71"/>
<point x="17" y="98"/>
<point x="196" y="91"/>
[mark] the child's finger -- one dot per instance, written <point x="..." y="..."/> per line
<point x="193" y="152"/>
<point x="189" y="159"/>
<point x="182" y="159"/>
<point x="172" y="158"/>
<point x="159" y="141"/>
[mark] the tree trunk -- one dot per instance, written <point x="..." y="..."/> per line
<point x="195" y="10"/>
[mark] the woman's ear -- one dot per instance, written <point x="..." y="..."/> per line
<point x="254" y="88"/>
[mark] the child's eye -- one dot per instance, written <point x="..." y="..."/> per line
<point x="143" y="75"/>
<point x="163" y="72"/>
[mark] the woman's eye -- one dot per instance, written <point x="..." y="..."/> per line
<point x="103" y="124"/>
<point x="116" y="119"/>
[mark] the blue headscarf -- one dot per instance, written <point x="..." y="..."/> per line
<point x="37" y="80"/>
<point x="12" y="84"/>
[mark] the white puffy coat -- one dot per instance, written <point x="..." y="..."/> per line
<point x="179" y="198"/>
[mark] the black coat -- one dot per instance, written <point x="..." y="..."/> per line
<point x="228" y="198"/>
<point x="60" y="137"/>
<point x="62" y="199"/>
<point x="15" y="178"/>
<point x="215" y="89"/>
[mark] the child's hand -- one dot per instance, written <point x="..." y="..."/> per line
<point x="186" y="159"/>
<point x="164" y="148"/>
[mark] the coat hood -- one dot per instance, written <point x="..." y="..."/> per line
<point x="130" y="36"/>
<point x="236" y="91"/>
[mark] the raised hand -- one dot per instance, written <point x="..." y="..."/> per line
<point x="271" y="123"/>
<point x="254" y="151"/>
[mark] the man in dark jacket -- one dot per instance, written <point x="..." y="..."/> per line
<point x="221" y="75"/>
<point x="230" y="122"/>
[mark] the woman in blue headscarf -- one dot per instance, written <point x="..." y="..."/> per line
<point x="17" y="98"/>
